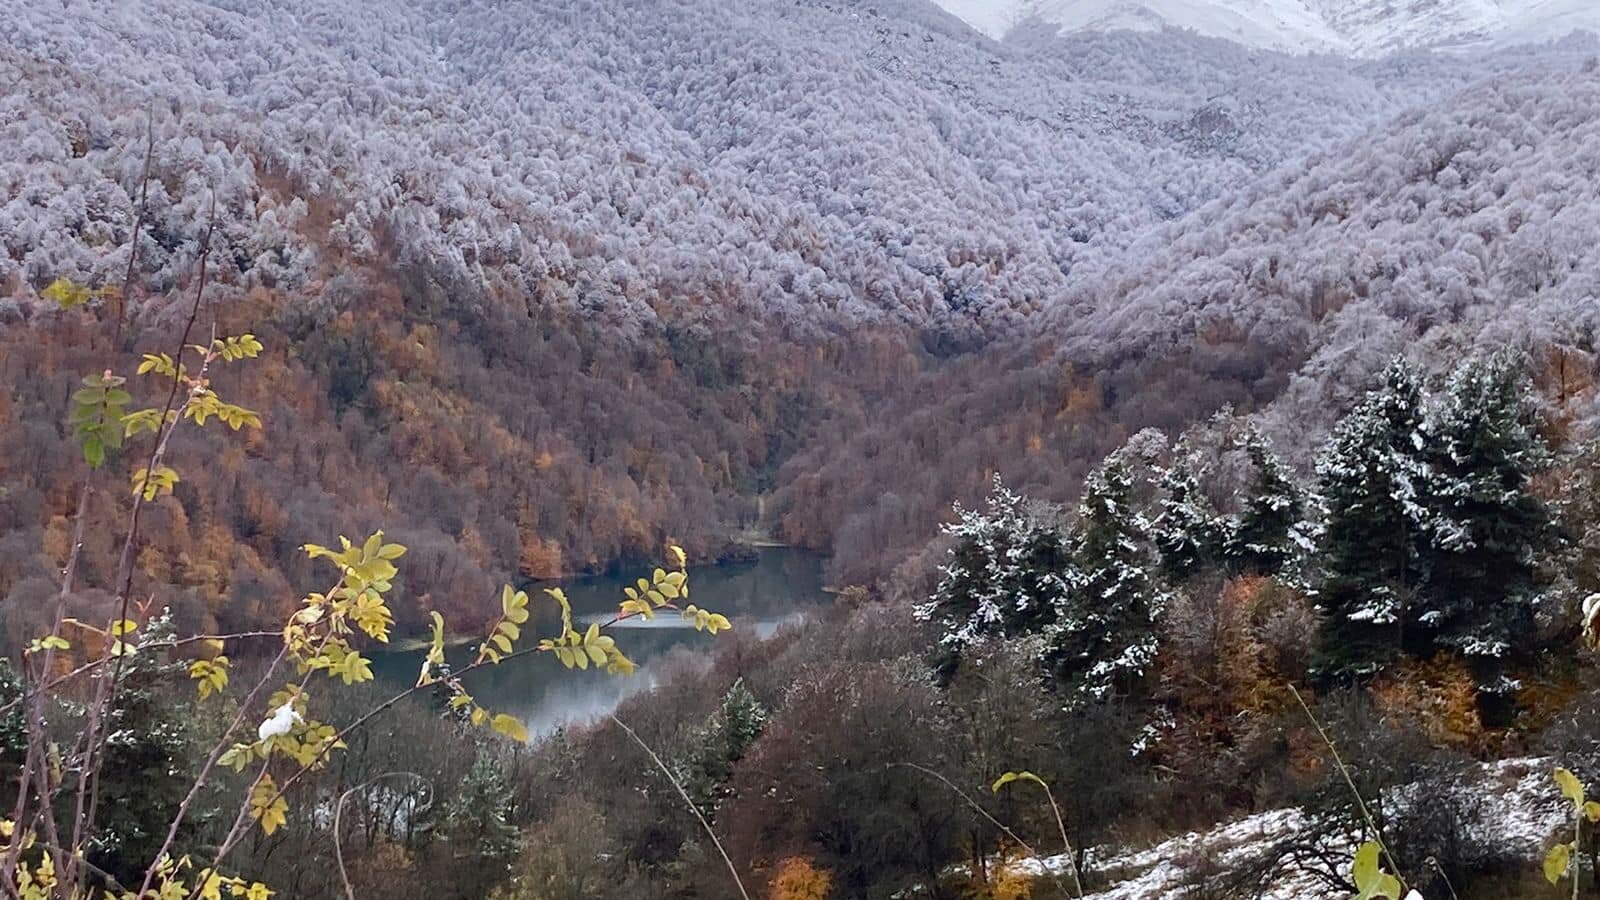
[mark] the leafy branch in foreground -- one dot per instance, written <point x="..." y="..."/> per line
<point x="1025" y="776"/>
<point x="1562" y="858"/>
<point x="326" y="637"/>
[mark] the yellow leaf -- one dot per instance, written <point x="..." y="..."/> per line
<point x="267" y="806"/>
<point x="1009" y="777"/>
<point x="1571" y="788"/>
<point x="67" y="294"/>
<point x="511" y="727"/>
<point x="1556" y="861"/>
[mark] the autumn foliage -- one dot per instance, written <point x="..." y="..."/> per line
<point x="798" y="878"/>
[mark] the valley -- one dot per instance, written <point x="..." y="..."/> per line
<point x="799" y="448"/>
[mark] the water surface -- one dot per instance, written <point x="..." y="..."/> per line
<point x="780" y="586"/>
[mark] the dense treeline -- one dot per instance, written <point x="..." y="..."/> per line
<point x="1137" y="652"/>
<point x="1464" y="226"/>
<point x="653" y="328"/>
<point x="499" y="446"/>
<point x="1426" y="538"/>
<point x="609" y="280"/>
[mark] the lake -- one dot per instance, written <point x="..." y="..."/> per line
<point x="778" y="587"/>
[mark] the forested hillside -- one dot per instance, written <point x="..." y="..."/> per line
<point x="740" y="243"/>
<point x="1169" y="411"/>
<point x="1467" y="225"/>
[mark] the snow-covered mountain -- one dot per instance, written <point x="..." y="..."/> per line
<point x="1347" y="27"/>
<point x="757" y="154"/>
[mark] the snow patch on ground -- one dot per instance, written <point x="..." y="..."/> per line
<point x="1521" y="805"/>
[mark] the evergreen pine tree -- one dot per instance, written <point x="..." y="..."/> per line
<point x="1262" y="540"/>
<point x="1004" y="576"/>
<point x="723" y="741"/>
<point x="1189" y="534"/>
<point x="1486" y="525"/>
<point x="1104" y="636"/>
<point x="13" y="731"/>
<point x="477" y="825"/>
<point x="1369" y="476"/>
<point x="151" y="753"/>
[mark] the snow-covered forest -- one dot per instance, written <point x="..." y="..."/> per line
<point x="1132" y="380"/>
<point x="804" y="163"/>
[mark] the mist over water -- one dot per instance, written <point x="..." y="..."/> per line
<point x="760" y="596"/>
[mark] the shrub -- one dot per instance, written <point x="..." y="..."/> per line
<point x="798" y="878"/>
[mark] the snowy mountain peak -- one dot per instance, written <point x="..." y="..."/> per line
<point x="1346" y="27"/>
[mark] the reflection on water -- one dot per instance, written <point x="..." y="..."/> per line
<point x="759" y="597"/>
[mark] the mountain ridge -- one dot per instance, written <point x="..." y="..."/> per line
<point x="1358" y="28"/>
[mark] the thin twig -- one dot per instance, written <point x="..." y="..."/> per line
<point x="124" y="580"/>
<point x="1443" y="877"/>
<point x="1361" y="804"/>
<point x="690" y="803"/>
<point x="1072" y="860"/>
<point x="1026" y="848"/>
<point x="35" y="712"/>
<point x="138" y="224"/>
<point x="338" y="811"/>
<point x="210" y="763"/>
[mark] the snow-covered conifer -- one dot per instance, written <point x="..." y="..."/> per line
<point x="1262" y="538"/>
<point x="1104" y="637"/>
<point x="1369" y="477"/>
<point x="1006" y="574"/>
<point x="1485" y="523"/>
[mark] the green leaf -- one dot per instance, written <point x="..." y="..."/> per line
<point x="96" y="416"/>
<point x="141" y="420"/>
<point x="94" y="452"/>
<point x="237" y="757"/>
